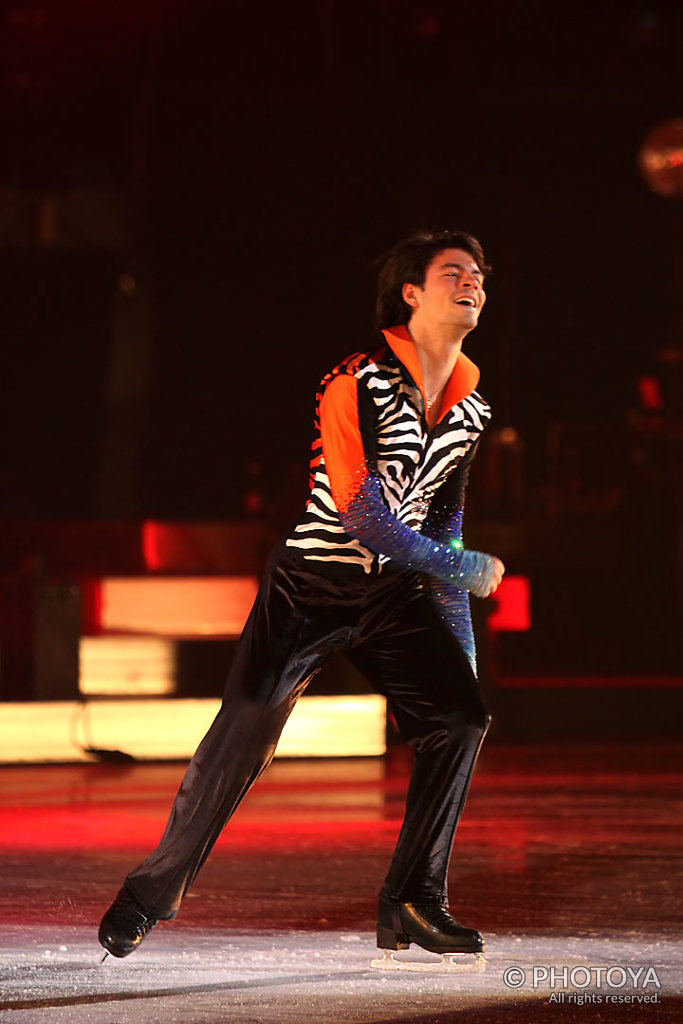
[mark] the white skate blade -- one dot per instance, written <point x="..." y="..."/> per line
<point x="450" y="963"/>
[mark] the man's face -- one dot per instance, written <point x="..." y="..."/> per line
<point x="453" y="291"/>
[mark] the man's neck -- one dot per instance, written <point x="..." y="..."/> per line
<point x="437" y="352"/>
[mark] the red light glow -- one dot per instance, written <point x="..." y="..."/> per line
<point x="512" y="613"/>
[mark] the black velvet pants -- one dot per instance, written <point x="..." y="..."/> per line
<point x="391" y="629"/>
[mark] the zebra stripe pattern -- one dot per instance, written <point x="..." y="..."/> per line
<point x="411" y="463"/>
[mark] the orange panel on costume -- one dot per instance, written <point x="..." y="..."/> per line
<point x="341" y="439"/>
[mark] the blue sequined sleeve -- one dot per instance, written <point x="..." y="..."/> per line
<point x="367" y="518"/>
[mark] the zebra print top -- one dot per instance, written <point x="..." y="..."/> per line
<point x="370" y="423"/>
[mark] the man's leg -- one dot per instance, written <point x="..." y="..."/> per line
<point x="284" y="643"/>
<point x="411" y="656"/>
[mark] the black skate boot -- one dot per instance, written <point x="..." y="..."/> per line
<point x="124" y="926"/>
<point x="430" y="925"/>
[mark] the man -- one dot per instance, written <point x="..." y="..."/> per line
<point x="375" y="568"/>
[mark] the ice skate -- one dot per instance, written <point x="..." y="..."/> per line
<point x="431" y="927"/>
<point x="124" y="925"/>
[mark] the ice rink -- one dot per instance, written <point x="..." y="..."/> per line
<point x="568" y="859"/>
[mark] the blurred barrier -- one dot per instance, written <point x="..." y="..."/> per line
<point x="172" y="729"/>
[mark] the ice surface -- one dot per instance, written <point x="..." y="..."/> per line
<point x="187" y="976"/>
<point x="565" y="859"/>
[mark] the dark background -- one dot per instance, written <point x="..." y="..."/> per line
<point x="250" y="162"/>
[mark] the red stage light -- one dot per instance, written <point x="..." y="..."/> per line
<point x="512" y="613"/>
<point x="650" y="394"/>
<point x="661" y="159"/>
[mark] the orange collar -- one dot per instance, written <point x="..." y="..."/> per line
<point x="461" y="382"/>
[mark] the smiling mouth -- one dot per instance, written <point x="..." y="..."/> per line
<point x="466" y="302"/>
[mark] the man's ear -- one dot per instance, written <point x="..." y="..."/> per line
<point x="409" y="293"/>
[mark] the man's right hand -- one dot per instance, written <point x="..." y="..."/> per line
<point x="490" y="573"/>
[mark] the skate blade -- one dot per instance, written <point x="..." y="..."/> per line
<point x="450" y="963"/>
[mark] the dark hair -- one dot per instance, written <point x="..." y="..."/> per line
<point x="407" y="261"/>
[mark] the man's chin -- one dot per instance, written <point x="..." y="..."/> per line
<point x="466" y="322"/>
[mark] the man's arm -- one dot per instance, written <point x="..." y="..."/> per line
<point x="358" y="496"/>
